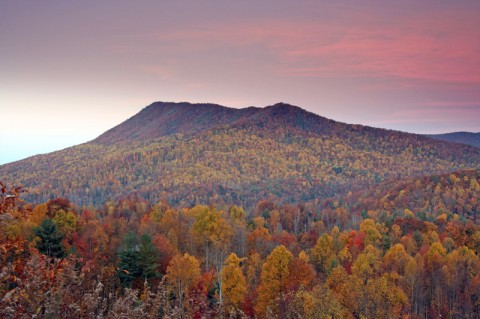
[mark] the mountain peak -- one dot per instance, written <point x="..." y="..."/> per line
<point x="165" y="118"/>
<point x="283" y="105"/>
<point x="285" y="109"/>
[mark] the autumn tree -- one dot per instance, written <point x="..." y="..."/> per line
<point x="272" y="290"/>
<point x="434" y="262"/>
<point x="234" y="282"/>
<point x="385" y="298"/>
<point x="213" y="231"/>
<point x="9" y="198"/>
<point x="323" y="255"/>
<point x="345" y="288"/>
<point x="396" y="259"/>
<point x="319" y="303"/>
<point x="183" y="272"/>
<point x="460" y="271"/>
<point x="166" y="251"/>
<point x="302" y="274"/>
<point x="236" y="220"/>
<point x="66" y="222"/>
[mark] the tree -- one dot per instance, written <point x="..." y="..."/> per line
<point x="128" y="260"/>
<point x="275" y="273"/>
<point x="166" y="251"/>
<point x="396" y="259"/>
<point x="323" y="255"/>
<point x="66" y="222"/>
<point x="320" y="303"/>
<point x="234" y="283"/>
<point x="51" y="238"/>
<point x="9" y="198"/>
<point x="434" y="262"/>
<point x="212" y="231"/>
<point x="373" y="236"/>
<point x="147" y="258"/>
<point x="462" y="266"/>
<point x="137" y="260"/>
<point x="385" y="298"/>
<point x="345" y="288"/>
<point x="301" y="274"/>
<point x="367" y="264"/>
<point x="183" y="272"/>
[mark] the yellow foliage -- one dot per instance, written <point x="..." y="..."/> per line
<point x="275" y="272"/>
<point x="234" y="284"/>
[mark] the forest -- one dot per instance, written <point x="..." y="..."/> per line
<point x="405" y="249"/>
<point x="280" y="152"/>
<point x="268" y="212"/>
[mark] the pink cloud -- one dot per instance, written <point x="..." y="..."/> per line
<point x="441" y="46"/>
<point x="392" y="51"/>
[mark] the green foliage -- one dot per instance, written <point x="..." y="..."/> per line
<point x="51" y="238"/>
<point x="147" y="258"/>
<point x="137" y="259"/>
<point x="128" y="260"/>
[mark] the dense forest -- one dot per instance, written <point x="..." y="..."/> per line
<point x="193" y="154"/>
<point x="403" y="250"/>
<point x="202" y="211"/>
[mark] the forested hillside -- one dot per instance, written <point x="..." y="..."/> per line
<point x="406" y="250"/>
<point x="459" y="137"/>
<point x="189" y="154"/>
<point x="201" y="211"/>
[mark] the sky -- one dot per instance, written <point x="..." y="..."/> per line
<point x="70" y="70"/>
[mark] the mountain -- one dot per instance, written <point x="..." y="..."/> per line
<point x="161" y="119"/>
<point x="200" y="153"/>
<point x="459" y="137"/>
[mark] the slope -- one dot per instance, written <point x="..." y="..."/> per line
<point x="459" y="137"/>
<point x="167" y="118"/>
<point x="427" y="197"/>
<point x="191" y="154"/>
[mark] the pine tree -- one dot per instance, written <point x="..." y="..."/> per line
<point x="50" y="243"/>
<point x="147" y="258"/>
<point x="128" y="260"/>
<point x="137" y="260"/>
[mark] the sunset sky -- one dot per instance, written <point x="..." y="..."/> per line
<point x="69" y="70"/>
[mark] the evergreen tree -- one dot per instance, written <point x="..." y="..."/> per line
<point x="128" y="260"/>
<point x="137" y="260"/>
<point x="51" y="238"/>
<point x="147" y="258"/>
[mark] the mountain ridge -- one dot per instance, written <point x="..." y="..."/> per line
<point x="167" y="118"/>
<point x="194" y="153"/>
<point x="468" y="138"/>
